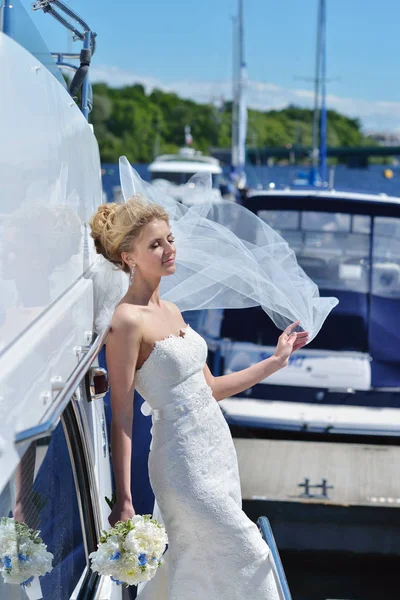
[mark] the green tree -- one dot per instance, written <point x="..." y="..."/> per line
<point x="130" y="121"/>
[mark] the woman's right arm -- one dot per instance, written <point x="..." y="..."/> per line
<point x="122" y="351"/>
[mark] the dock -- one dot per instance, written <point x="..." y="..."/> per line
<point x="324" y="495"/>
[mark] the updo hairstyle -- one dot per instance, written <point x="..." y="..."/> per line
<point x="115" y="227"/>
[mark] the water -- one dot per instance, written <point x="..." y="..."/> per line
<point x="369" y="180"/>
<point x="341" y="576"/>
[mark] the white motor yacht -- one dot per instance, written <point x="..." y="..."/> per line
<point x="173" y="173"/>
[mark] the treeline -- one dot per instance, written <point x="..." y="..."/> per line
<point x="129" y="121"/>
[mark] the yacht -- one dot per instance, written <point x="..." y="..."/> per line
<point x="54" y="454"/>
<point x="174" y="173"/>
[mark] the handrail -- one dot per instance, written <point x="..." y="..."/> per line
<point x="59" y="56"/>
<point x="68" y="388"/>
<point x="88" y="37"/>
<point x="46" y="6"/>
<point x="266" y="532"/>
<point x="62" y="55"/>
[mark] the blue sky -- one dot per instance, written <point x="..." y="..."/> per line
<point x="186" y="45"/>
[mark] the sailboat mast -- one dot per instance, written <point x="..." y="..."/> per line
<point x="317" y="79"/>
<point x="239" y="109"/>
<point x="235" y="93"/>
<point x="242" y="111"/>
<point x="323" y="124"/>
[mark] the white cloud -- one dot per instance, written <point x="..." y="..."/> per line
<point x="382" y="115"/>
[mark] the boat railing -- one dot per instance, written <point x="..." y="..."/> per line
<point x="83" y="33"/>
<point x="65" y="392"/>
<point x="47" y="7"/>
<point x="266" y="533"/>
<point x="61" y="60"/>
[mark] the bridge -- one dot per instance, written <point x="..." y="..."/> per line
<point x="352" y="156"/>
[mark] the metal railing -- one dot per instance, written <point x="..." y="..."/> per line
<point x="67" y="390"/>
<point x="266" y="532"/>
<point x="86" y="36"/>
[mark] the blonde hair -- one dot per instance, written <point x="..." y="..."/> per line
<point x="115" y="226"/>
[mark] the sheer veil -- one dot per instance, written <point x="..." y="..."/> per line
<point x="227" y="257"/>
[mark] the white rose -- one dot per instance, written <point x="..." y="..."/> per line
<point x="131" y="543"/>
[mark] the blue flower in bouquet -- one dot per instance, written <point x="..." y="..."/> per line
<point x="123" y="550"/>
<point x="142" y="560"/>
<point x="23" y="555"/>
<point x="28" y="582"/>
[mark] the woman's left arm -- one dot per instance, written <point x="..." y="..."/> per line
<point x="234" y="383"/>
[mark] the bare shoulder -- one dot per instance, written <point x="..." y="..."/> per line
<point x="172" y="307"/>
<point x="127" y="319"/>
<point x="122" y="351"/>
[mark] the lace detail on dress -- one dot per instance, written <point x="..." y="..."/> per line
<point x="158" y="343"/>
<point x="214" y="550"/>
<point x="172" y="371"/>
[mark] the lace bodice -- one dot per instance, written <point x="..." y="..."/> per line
<point x="173" y="371"/>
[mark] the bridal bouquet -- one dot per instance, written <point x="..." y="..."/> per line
<point x="131" y="551"/>
<point x="23" y="555"/>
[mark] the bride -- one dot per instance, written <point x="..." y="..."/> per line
<point x="215" y="551"/>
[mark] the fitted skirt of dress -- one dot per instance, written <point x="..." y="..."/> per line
<point x="215" y="551"/>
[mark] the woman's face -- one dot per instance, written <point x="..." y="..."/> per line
<point x="154" y="250"/>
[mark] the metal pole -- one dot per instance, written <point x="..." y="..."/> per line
<point x="323" y="126"/>
<point x="266" y="532"/>
<point x="67" y="389"/>
<point x="240" y="33"/>
<point x="242" y="110"/>
<point x="315" y="152"/>
<point x="71" y="14"/>
<point x="85" y="85"/>
<point x="5" y="17"/>
<point x="234" y="135"/>
<point x="50" y="11"/>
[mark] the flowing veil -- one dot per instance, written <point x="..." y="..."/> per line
<point x="227" y="257"/>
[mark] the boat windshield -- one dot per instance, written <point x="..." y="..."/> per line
<point x="335" y="249"/>
<point x="17" y="24"/>
<point x="181" y="178"/>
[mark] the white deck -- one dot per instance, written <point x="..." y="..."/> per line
<point x="313" y="417"/>
<point x="324" y="193"/>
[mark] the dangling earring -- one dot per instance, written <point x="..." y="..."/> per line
<point x="132" y="274"/>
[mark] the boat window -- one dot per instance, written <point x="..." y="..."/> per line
<point x="281" y="219"/>
<point x="386" y="257"/>
<point x="361" y="224"/>
<point x="41" y="493"/>
<point x="332" y="248"/>
<point x="320" y="221"/>
<point x="179" y="178"/>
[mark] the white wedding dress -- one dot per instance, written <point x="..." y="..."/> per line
<point x="215" y="551"/>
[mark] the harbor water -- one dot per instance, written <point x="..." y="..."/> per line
<point x="370" y="180"/>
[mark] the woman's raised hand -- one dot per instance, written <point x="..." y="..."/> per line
<point x="288" y="342"/>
